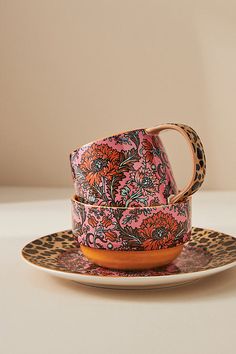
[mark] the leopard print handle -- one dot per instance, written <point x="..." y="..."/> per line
<point x="198" y="156"/>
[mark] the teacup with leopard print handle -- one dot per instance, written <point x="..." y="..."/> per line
<point x="131" y="169"/>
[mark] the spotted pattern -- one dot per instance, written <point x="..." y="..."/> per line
<point x="199" y="158"/>
<point x="207" y="249"/>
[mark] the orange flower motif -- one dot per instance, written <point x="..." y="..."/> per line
<point x="158" y="231"/>
<point x="106" y="221"/>
<point x="92" y="221"/>
<point x="110" y="235"/>
<point x="99" y="161"/>
<point x="151" y="149"/>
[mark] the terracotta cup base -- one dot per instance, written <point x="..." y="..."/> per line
<point x="131" y="260"/>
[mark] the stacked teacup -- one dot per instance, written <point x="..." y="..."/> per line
<point x="127" y="212"/>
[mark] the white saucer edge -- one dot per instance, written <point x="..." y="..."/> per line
<point x="131" y="282"/>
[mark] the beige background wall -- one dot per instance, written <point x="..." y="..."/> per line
<point x="74" y="70"/>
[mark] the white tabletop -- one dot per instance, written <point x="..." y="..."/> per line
<point x="43" y="314"/>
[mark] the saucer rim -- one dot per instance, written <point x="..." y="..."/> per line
<point x="125" y="278"/>
<point x="201" y="273"/>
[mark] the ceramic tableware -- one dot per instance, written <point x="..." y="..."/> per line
<point x="131" y="238"/>
<point x="132" y="169"/>
<point x="207" y="252"/>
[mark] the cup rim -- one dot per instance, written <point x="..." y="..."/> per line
<point x="105" y="137"/>
<point x="185" y="201"/>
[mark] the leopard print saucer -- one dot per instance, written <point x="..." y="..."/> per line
<point x="208" y="252"/>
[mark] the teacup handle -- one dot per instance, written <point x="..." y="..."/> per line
<point x="198" y="156"/>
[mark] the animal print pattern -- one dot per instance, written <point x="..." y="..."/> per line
<point x="132" y="168"/>
<point x="199" y="159"/>
<point x="207" y="249"/>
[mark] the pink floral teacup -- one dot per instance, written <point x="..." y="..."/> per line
<point x="132" y="169"/>
<point x="131" y="238"/>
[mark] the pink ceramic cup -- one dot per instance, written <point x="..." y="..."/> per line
<point x="131" y="238"/>
<point x="132" y="169"/>
<point x="133" y="229"/>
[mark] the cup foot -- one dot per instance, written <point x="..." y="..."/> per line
<point x="131" y="260"/>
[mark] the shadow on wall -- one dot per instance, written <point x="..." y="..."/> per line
<point x="91" y="74"/>
<point x="111" y="68"/>
<point x="216" y="36"/>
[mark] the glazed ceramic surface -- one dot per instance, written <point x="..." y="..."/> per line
<point x="132" y="169"/>
<point x="129" y="169"/>
<point x="208" y="252"/>
<point x="127" y="229"/>
<point x="131" y="260"/>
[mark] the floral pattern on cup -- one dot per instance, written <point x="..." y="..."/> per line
<point x="128" y="169"/>
<point x="145" y="228"/>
